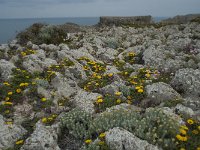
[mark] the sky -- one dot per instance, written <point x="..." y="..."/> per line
<point x="96" y="8"/>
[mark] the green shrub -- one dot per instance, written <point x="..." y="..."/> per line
<point x="154" y="125"/>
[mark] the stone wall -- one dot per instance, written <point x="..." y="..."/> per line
<point x="180" y="19"/>
<point x="109" y="21"/>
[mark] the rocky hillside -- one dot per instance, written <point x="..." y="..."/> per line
<point x="105" y="88"/>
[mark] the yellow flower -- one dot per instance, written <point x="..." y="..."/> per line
<point x="25" y="84"/>
<point x="19" y="142"/>
<point x="94" y="75"/>
<point x="140" y="90"/>
<point x="184" y="127"/>
<point x="23" y="53"/>
<point x="118" y="93"/>
<point x="7" y="98"/>
<point x="85" y="68"/>
<point x="33" y="83"/>
<point x="190" y="121"/>
<point x="133" y="82"/>
<point x="147" y="75"/>
<point x="18" y="90"/>
<point x="10" y="93"/>
<point x="183" y="132"/>
<point x="185" y="138"/>
<point x="99" y="101"/>
<point x="7" y="103"/>
<point x="195" y="131"/>
<point x="54" y="115"/>
<point x="118" y="101"/>
<point x="57" y="66"/>
<point x="198" y="127"/>
<point x="6" y="83"/>
<point x="44" y="120"/>
<point x="99" y="77"/>
<point x="99" y="97"/>
<point x="50" y="119"/>
<point x="21" y="84"/>
<point x="97" y="84"/>
<point x="125" y="73"/>
<point x="182" y="148"/>
<point x="88" y="141"/>
<point x="181" y="138"/>
<point x="43" y="99"/>
<point x="101" y="143"/>
<point x="102" y="135"/>
<point x="129" y="97"/>
<point x="137" y="87"/>
<point x="9" y="122"/>
<point x="198" y="148"/>
<point x="110" y="74"/>
<point x="131" y="54"/>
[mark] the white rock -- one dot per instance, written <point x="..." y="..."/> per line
<point x="121" y="139"/>
<point x="6" y="69"/>
<point x="9" y="134"/>
<point x="43" y="138"/>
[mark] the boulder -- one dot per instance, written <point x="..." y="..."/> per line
<point x="187" y="82"/>
<point x="121" y="139"/>
<point x="65" y="88"/>
<point x="9" y="134"/>
<point x="85" y="101"/>
<point x="161" y="92"/>
<point x="6" y="69"/>
<point x="43" y="138"/>
<point x="154" y="57"/>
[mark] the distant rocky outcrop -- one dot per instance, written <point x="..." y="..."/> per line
<point x="181" y="19"/>
<point x="125" y="20"/>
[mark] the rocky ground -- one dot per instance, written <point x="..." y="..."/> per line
<point x="106" y="88"/>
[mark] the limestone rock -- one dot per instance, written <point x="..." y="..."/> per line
<point x="6" y="69"/>
<point x="65" y="88"/>
<point x="161" y="92"/>
<point x="154" y="57"/>
<point x="43" y="138"/>
<point x="9" y="134"/>
<point x="187" y="81"/>
<point x="121" y="139"/>
<point x="85" y="101"/>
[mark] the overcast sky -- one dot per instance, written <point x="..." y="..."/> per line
<point x="95" y="8"/>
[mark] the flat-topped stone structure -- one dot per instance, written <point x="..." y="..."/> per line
<point x="109" y="20"/>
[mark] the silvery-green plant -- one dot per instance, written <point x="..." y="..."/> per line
<point x="154" y="125"/>
<point x="77" y="122"/>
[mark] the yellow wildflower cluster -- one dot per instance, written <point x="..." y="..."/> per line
<point x="118" y="93"/>
<point x="19" y="142"/>
<point x="94" y="66"/>
<point x="23" y="84"/>
<point x="43" y="99"/>
<point x="181" y="137"/>
<point x="99" y="100"/>
<point x="49" y="119"/>
<point x="189" y="135"/>
<point x="88" y="141"/>
<point x="139" y="89"/>
<point x="27" y="52"/>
